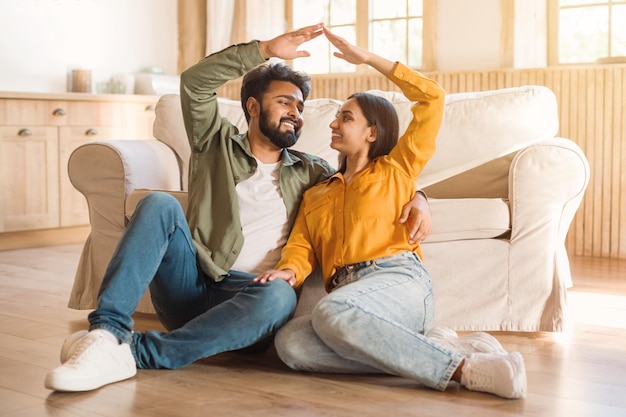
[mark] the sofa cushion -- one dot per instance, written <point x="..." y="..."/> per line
<point x="453" y="219"/>
<point x="468" y="218"/>
<point x="477" y="127"/>
<point x="480" y="127"/>
<point x="489" y="180"/>
<point x="169" y="128"/>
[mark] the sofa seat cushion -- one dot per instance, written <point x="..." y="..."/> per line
<point x="468" y="218"/>
<point x="453" y="219"/>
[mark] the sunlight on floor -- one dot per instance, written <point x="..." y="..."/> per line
<point x="604" y="310"/>
<point x="592" y="309"/>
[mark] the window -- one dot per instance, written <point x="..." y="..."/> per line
<point x="391" y="28"/>
<point x="584" y="31"/>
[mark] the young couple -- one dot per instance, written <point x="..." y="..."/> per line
<point x="222" y="277"/>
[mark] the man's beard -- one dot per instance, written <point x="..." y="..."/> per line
<point x="281" y="139"/>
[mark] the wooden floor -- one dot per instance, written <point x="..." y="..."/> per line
<point x="580" y="372"/>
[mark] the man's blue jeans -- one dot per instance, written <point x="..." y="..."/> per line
<point x="373" y="322"/>
<point x="203" y="317"/>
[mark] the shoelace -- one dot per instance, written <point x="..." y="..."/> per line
<point x="83" y="346"/>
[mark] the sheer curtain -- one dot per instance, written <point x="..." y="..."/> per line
<point x="191" y="32"/>
<point x="264" y="19"/>
<point x="206" y="26"/>
<point x="220" y="16"/>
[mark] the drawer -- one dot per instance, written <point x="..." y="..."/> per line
<point x="138" y="120"/>
<point x="59" y="113"/>
<point x="33" y="112"/>
<point x="92" y="113"/>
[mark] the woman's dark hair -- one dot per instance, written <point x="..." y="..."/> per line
<point x="378" y="112"/>
<point x="256" y="82"/>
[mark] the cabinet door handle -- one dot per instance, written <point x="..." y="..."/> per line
<point x="25" y="132"/>
<point x="150" y="107"/>
<point x="91" y="132"/>
<point x="58" y="112"/>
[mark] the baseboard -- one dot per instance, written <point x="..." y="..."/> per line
<point x="45" y="237"/>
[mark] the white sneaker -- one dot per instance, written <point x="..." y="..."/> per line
<point x="502" y="375"/>
<point x="96" y="361"/>
<point x="477" y="342"/>
<point x="70" y="344"/>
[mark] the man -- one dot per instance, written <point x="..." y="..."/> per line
<point x="244" y="191"/>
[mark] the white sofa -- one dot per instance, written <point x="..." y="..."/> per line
<point x="503" y="191"/>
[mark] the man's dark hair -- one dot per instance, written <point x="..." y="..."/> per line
<point x="256" y="82"/>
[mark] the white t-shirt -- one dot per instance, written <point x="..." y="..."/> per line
<point x="263" y="219"/>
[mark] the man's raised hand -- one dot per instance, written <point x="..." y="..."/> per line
<point x="286" y="46"/>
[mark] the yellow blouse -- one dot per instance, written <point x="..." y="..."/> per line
<point x="339" y="224"/>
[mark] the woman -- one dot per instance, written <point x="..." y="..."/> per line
<point x="380" y="301"/>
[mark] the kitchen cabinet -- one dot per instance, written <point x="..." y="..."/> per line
<point x="38" y="133"/>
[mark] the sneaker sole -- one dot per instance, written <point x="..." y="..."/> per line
<point x="68" y="385"/>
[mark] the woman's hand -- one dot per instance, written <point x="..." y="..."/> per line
<point x="272" y="274"/>
<point x="348" y="52"/>
<point x="416" y="215"/>
<point x="357" y="55"/>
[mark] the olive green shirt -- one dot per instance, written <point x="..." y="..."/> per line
<point x="221" y="158"/>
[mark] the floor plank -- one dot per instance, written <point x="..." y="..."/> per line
<point x="579" y="372"/>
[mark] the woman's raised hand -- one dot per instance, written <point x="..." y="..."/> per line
<point x="357" y="55"/>
<point x="348" y="52"/>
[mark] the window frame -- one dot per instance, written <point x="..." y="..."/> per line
<point x="553" y="13"/>
<point x="362" y="23"/>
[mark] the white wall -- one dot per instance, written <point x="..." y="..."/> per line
<point x="469" y="34"/>
<point x="40" y="40"/>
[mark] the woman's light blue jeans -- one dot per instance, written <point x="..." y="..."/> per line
<point x="373" y="321"/>
<point x="203" y="317"/>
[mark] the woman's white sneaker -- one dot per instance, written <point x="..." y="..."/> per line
<point x="502" y="375"/>
<point x="96" y="361"/>
<point x="477" y="342"/>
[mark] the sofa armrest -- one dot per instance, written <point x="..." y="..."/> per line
<point x="106" y="173"/>
<point x="547" y="182"/>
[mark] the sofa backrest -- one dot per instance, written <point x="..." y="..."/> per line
<point x="480" y="127"/>
<point x="169" y="128"/>
<point x="477" y="127"/>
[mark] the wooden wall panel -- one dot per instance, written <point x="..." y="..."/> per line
<point x="592" y="111"/>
